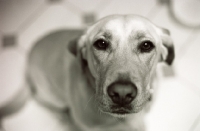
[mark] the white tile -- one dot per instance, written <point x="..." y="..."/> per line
<point x="179" y="33"/>
<point x="85" y="5"/>
<point x="14" y="12"/>
<point x="55" y="17"/>
<point x="188" y="66"/>
<point x="141" y="7"/>
<point x="175" y="109"/>
<point x="12" y="69"/>
<point x="33" y="117"/>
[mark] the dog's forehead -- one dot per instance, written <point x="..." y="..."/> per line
<point x="125" y="26"/>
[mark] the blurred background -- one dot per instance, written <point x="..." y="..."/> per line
<point x="24" y="22"/>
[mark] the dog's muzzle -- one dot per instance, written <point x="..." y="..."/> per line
<point x="122" y="93"/>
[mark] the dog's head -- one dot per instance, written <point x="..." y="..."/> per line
<point x="121" y="53"/>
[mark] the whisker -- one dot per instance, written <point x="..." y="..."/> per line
<point x="88" y="102"/>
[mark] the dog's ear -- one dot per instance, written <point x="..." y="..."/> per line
<point x="77" y="47"/>
<point x="72" y="46"/>
<point x="167" y="47"/>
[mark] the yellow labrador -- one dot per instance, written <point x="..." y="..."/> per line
<point x="105" y="77"/>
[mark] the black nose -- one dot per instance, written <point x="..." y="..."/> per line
<point x="122" y="93"/>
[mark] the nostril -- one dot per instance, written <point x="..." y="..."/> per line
<point x="128" y="98"/>
<point x="129" y="95"/>
<point x="114" y="96"/>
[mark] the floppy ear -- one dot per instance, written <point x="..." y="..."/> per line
<point x="167" y="47"/>
<point x="78" y="48"/>
<point x="72" y="46"/>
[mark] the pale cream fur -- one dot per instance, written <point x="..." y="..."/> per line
<point x="78" y="81"/>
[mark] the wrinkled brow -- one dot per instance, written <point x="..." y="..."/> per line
<point x="137" y="34"/>
<point x="105" y="33"/>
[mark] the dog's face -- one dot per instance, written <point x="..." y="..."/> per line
<point x="121" y="54"/>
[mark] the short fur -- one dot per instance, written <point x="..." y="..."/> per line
<point x="75" y="76"/>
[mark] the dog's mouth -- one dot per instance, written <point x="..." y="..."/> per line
<point x="122" y="111"/>
<point x="126" y="110"/>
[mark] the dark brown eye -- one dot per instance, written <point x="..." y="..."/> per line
<point x="101" y="44"/>
<point x="146" y="46"/>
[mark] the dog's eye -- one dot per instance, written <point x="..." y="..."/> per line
<point x="146" y="46"/>
<point x="101" y="44"/>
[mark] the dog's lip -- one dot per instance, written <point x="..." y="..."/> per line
<point x="118" y="112"/>
<point x="121" y="112"/>
<point x="127" y="109"/>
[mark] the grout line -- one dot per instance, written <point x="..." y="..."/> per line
<point x="73" y="8"/>
<point x="102" y="5"/>
<point x="153" y="12"/>
<point x="189" y="42"/>
<point x="31" y="18"/>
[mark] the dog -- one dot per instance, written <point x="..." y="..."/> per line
<point x="103" y="78"/>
